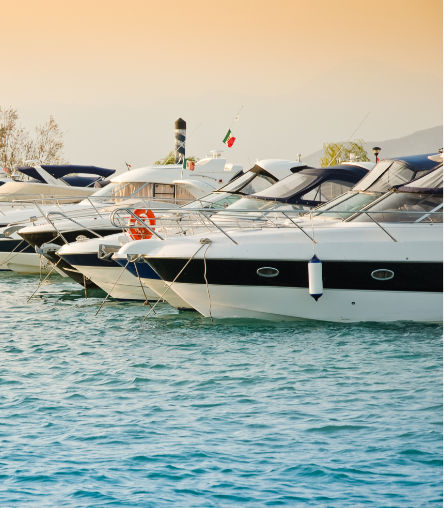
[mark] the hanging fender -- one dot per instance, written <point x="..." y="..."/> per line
<point x="141" y="233"/>
<point x="315" y="274"/>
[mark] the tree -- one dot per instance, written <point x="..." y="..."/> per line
<point x="334" y="153"/>
<point x="18" y="148"/>
<point x="170" y="159"/>
<point x="48" y="144"/>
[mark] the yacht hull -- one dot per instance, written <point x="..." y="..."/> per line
<point x="40" y="238"/>
<point x="163" y="290"/>
<point x="25" y="263"/>
<point x="335" y="304"/>
<point x="367" y="274"/>
<point x="18" y="256"/>
<point x="108" y="275"/>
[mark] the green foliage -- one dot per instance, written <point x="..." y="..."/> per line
<point x="334" y="153"/>
<point x="170" y="159"/>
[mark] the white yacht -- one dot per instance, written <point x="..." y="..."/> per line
<point x="269" y="206"/>
<point x="148" y="187"/>
<point x="93" y="257"/>
<point x="48" y="183"/>
<point x="381" y="264"/>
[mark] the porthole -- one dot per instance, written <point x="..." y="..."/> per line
<point x="267" y="271"/>
<point x="382" y="274"/>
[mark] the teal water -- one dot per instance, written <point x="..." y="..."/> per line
<point x="176" y="411"/>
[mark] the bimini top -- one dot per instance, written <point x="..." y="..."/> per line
<point x="312" y="186"/>
<point x="431" y="183"/>
<point x="262" y="175"/>
<point x="395" y="172"/>
<point x="61" y="171"/>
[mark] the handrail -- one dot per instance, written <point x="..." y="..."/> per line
<point x="380" y="226"/>
<point x="70" y="219"/>
<point x="176" y="219"/>
<point x="138" y="219"/>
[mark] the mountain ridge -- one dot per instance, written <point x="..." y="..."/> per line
<point x="422" y="141"/>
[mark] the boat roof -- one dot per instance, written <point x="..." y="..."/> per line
<point x="275" y="169"/>
<point x="278" y="168"/>
<point x="215" y="168"/>
<point x="389" y="173"/>
<point x="293" y="187"/>
<point x="431" y="183"/>
<point x="60" y="170"/>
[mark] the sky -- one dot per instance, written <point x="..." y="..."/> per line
<point x="117" y="74"/>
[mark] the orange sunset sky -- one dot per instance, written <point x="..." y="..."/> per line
<point x="116" y="74"/>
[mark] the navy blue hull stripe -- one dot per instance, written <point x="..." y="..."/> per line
<point x="408" y="276"/>
<point x="91" y="259"/>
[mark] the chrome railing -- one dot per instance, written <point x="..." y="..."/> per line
<point x="184" y="222"/>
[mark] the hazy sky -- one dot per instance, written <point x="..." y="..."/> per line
<point x="116" y="74"/>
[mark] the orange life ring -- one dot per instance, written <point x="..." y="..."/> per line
<point x="141" y="233"/>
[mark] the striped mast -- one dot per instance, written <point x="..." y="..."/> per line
<point x="180" y="128"/>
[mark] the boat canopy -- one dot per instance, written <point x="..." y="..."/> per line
<point x="61" y="171"/>
<point x="262" y="175"/>
<point x="391" y="173"/>
<point x="431" y="183"/>
<point x="314" y="185"/>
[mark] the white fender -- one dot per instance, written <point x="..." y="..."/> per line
<point x="315" y="273"/>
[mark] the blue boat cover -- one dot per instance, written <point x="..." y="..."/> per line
<point x="62" y="170"/>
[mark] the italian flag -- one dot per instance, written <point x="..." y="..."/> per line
<point x="229" y="139"/>
<point x="188" y="165"/>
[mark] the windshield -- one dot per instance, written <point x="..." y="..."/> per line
<point x="213" y="200"/>
<point x="247" y="203"/>
<point x="249" y="183"/>
<point x="119" y="191"/>
<point x="288" y="186"/>
<point x="345" y="205"/>
<point x="385" y="175"/>
<point x="405" y="207"/>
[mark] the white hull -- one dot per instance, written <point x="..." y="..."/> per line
<point x="350" y="252"/>
<point x="117" y="282"/>
<point x="26" y="263"/>
<point x="335" y="305"/>
<point x="162" y="289"/>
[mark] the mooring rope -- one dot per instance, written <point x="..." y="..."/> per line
<point x="13" y="254"/>
<point x="147" y="302"/>
<point x="42" y="281"/>
<point x="172" y="282"/>
<point x="207" y="282"/>
<point x="109" y="293"/>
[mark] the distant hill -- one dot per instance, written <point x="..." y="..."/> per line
<point x="424" y="141"/>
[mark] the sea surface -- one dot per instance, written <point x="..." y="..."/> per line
<point x="111" y="410"/>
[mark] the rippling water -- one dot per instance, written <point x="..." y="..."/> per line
<point x="176" y="411"/>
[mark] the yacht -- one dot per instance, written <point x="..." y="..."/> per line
<point x="298" y="191"/>
<point x="259" y="212"/>
<point x="143" y="188"/>
<point x="93" y="257"/>
<point x="47" y="183"/>
<point x="383" y="263"/>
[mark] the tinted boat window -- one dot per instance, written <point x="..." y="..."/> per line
<point x="214" y="200"/>
<point x="289" y="186"/>
<point x="118" y="191"/>
<point x="405" y="207"/>
<point x="386" y="175"/>
<point x="249" y="183"/>
<point x="253" y="204"/>
<point x="327" y="191"/>
<point x="345" y="205"/>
